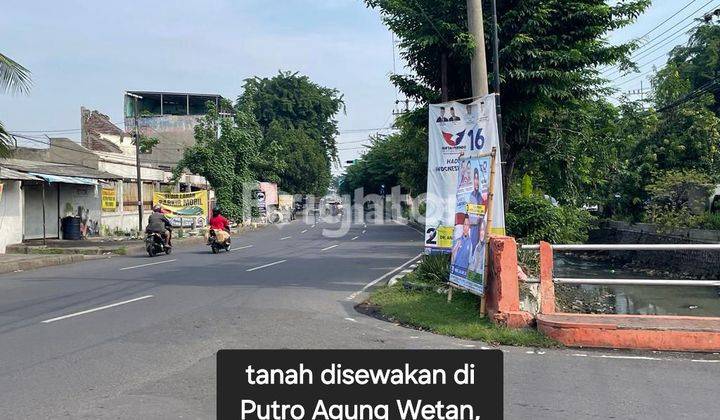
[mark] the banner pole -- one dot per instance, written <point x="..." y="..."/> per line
<point x="488" y="226"/>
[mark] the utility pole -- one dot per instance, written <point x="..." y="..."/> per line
<point x="478" y="65"/>
<point x="137" y="162"/>
<point x="496" y="73"/>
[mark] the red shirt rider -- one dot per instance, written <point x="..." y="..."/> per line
<point x="219" y="222"/>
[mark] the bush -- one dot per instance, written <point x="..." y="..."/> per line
<point x="532" y="218"/>
<point x="678" y="199"/>
<point x="434" y="268"/>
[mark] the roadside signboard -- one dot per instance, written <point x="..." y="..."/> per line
<point x="183" y="209"/>
<point x="457" y="130"/>
<point x="467" y="268"/>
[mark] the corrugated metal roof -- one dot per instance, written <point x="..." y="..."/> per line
<point x="6" y="173"/>
<point x="59" y="169"/>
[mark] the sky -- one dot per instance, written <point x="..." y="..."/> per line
<point x="87" y="53"/>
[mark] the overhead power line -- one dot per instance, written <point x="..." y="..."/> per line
<point x="641" y="52"/>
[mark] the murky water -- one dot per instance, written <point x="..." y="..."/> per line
<point x="653" y="300"/>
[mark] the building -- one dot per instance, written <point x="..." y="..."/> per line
<point x="171" y="117"/>
<point x="116" y="154"/>
<point x="37" y="195"/>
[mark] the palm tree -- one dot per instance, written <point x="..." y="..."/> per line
<point x="14" y="78"/>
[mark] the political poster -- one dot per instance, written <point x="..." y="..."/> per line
<point x="183" y="209"/>
<point x="458" y="130"/>
<point x="467" y="266"/>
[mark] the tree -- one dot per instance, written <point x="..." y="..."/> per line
<point x="550" y="52"/>
<point x="307" y="169"/>
<point x="14" y="78"/>
<point x="293" y="102"/>
<point x="231" y="161"/>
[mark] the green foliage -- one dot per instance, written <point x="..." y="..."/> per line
<point x="430" y="311"/>
<point x="434" y="268"/>
<point x="231" y="161"/>
<point x="395" y="159"/>
<point x="549" y="58"/>
<point x="307" y="170"/>
<point x="14" y="78"/>
<point x="676" y="198"/>
<point x="533" y="219"/>
<point x="708" y="220"/>
<point x="147" y="143"/>
<point x="527" y="186"/>
<point x="293" y="112"/>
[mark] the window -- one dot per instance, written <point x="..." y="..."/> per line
<point x="198" y="104"/>
<point x="174" y="104"/>
<point x="148" y="105"/>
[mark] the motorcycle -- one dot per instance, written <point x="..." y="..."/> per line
<point x="155" y="244"/>
<point x="215" y="244"/>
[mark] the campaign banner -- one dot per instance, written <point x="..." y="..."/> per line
<point x="467" y="266"/>
<point x="183" y="209"/>
<point x="458" y="130"/>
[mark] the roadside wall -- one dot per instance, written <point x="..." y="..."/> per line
<point x="85" y="202"/>
<point x="694" y="263"/>
<point x="11" y="221"/>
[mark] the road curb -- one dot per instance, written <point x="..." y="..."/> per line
<point x="40" y="262"/>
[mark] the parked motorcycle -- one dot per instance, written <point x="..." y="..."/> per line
<point x="155" y="244"/>
<point x="215" y="244"/>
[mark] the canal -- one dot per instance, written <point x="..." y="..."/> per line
<point x="651" y="300"/>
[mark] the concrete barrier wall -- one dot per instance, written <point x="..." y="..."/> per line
<point x="695" y="263"/>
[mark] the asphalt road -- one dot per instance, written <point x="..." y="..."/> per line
<point x="135" y="338"/>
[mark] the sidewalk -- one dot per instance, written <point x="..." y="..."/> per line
<point x="33" y="254"/>
<point x="10" y="263"/>
<point x="91" y="246"/>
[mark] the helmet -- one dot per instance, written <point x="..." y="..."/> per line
<point x="216" y="210"/>
<point x="157" y="208"/>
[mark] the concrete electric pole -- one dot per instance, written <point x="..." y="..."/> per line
<point x="137" y="162"/>
<point x="478" y="65"/>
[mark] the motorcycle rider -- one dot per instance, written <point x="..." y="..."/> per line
<point x="158" y="223"/>
<point x="220" y="225"/>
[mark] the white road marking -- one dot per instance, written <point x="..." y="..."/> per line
<point x="148" y="264"/>
<point x="329" y="247"/>
<point x="285" y="237"/>
<point x="312" y="226"/>
<point x="351" y="319"/>
<point x="705" y="361"/>
<point x="47" y="321"/>
<point x="266" y="265"/>
<point x="352" y="239"/>
<point x="381" y="278"/>
<point x="304" y="231"/>
<point x="241" y="247"/>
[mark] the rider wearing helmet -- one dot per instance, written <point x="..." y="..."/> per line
<point x="158" y="223"/>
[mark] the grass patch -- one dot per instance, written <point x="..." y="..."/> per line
<point x="429" y="310"/>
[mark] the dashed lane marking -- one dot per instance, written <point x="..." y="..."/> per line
<point x="112" y="305"/>
<point x="329" y="247"/>
<point x="266" y="265"/>
<point x="241" y="247"/>
<point x="148" y="264"/>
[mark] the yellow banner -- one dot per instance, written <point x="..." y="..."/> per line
<point x="109" y="199"/>
<point x="445" y="236"/>
<point x="190" y="205"/>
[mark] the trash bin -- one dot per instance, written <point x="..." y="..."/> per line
<point x="71" y="228"/>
